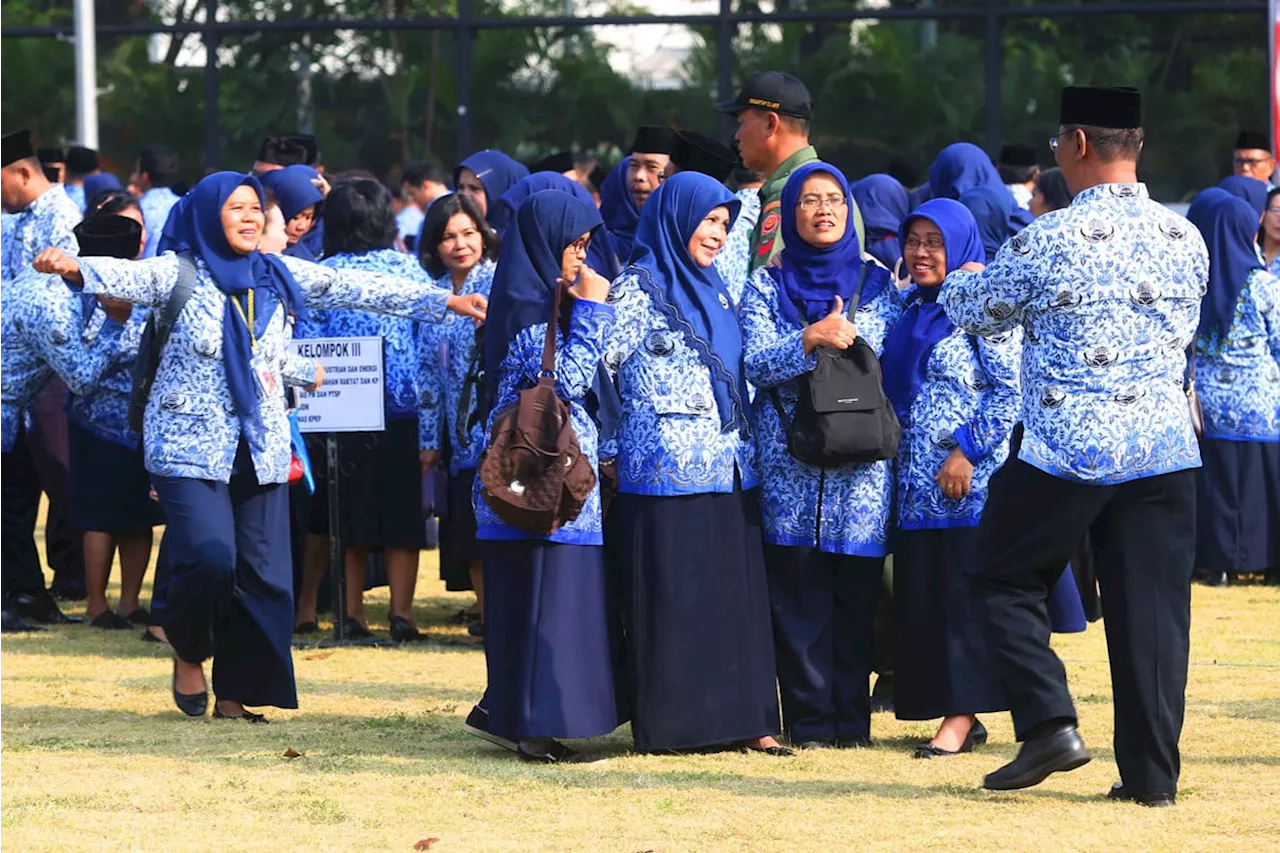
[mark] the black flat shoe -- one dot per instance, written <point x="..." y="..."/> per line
<point x="465" y="617"/>
<point x="813" y="743"/>
<point x="356" y="631"/>
<point x="139" y="617"/>
<point x="191" y="704"/>
<point x="853" y="742"/>
<point x="306" y="629"/>
<point x="148" y="637"/>
<point x="402" y="631"/>
<point x="1155" y="800"/>
<point x="246" y="715"/>
<point x="110" y="621"/>
<point x="476" y="629"/>
<point x="477" y="725"/>
<point x="771" y="751"/>
<point x="1058" y="752"/>
<point x="555" y="753"/>
<point x="977" y="736"/>
<point x="12" y="623"/>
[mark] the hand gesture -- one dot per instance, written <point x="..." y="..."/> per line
<point x="58" y="262"/>
<point x="590" y="286"/>
<point x="956" y="475"/>
<point x="833" y="330"/>
<point x="116" y="309"/>
<point x="472" y="305"/>
<point x="315" y="386"/>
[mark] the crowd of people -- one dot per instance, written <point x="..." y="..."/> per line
<point x="1084" y="387"/>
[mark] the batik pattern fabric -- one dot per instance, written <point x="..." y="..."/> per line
<point x="155" y="204"/>
<point x="103" y="408"/>
<point x="844" y="510"/>
<point x="1238" y="377"/>
<point x="448" y="365"/>
<point x="44" y="331"/>
<point x="75" y="192"/>
<point x="578" y="356"/>
<point x="1108" y="294"/>
<point x="670" y="437"/>
<point x="734" y="260"/>
<point x="191" y="427"/>
<point x="49" y="222"/>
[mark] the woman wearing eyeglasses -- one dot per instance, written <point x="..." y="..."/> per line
<point x="825" y="529"/>
<point x="957" y="398"/>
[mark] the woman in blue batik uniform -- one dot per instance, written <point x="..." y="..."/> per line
<point x="110" y="488"/>
<point x="696" y="602"/>
<point x="458" y="249"/>
<point x="215" y="435"/>
<point x="547" y="643"/>
<point x="1238" y="381"/>
<point x="825" y="530"/>
<point x="957" y="399"/>
<point x="301" y="203"/>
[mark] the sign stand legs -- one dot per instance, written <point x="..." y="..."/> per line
<point x="337" y="559"/>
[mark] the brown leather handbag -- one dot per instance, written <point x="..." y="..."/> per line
<point x="534" y="475"/>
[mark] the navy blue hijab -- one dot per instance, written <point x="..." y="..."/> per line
<point x="959" y="168"/>
<point x="993" y="209"/>
<point x="498" y="173"/>
<point x="693" y="298"/>
<point x="619" y="209"/>
<point x="601" y="255"/>
<point x="1251" y="190"/>
<point x="810" y="277"/>
<point x="1229" y="226"/>
<point x="883" y="202"/>
<point x="295" y="191"/>
<point x="197" y="228"/>
<point x="923" y="324"/>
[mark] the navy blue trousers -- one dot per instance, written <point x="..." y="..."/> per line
<point x="19" y="505"/>
<point x="823" y="613"/>
<point x="230" y="591"/>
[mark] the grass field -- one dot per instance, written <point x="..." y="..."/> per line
<point x="96" y="757"/>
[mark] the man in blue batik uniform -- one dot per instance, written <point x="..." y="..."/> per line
<point x="1107" y="292"/>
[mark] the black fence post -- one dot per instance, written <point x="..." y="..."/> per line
<point x="212" y="117"/>
<point x="994" y="77"/>
<point x="725" y="30"/>
<point x="464" y="79"/>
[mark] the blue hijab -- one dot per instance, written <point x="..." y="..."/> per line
<point x="497" y="173"/>
<point x="959" y="168"/>
<point x="993" y="209"/>
<point x="100" y="182"/>
<point x="602" y="255"/>
<point x="923" y="324"/>
<point x="196" y="227"/>
<point x="693" y="298"/>
<point x="883" y="203"/>
<point x="295" y="190"/>
<point x="1251" y="190"/>
<point x="618" y="207"/>
<point x="1229" y="226"/>
<point x="811" y="277"/>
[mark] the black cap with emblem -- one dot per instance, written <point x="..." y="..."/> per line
<point x="1101" y="106"/>
<point x="109" y="237"/>
<point x="775" y="91"/>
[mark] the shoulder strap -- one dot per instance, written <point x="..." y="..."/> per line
<point x="177" y="299"/>
<point x="549" y="342"/>
<point x="857" y="294"/>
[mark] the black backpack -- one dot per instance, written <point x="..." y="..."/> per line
<point x="842" y="414"/>
<point x="154" y="337"/>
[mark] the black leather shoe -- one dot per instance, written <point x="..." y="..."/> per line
<point x="110" y="621"/>
<point x="402" y="631"/>
<point x="477" y="725"/>
<point x="306" y="629"/>
<point x="1216" y="579"/>
<point x="1040" y="757"/>
<point x="191" y="704"/>
<point x="771" y="751"/>
<point x="977" y="736"/>
<point x="42" y="608"/>
<point x="12" y="623"/>
<point x="1155" y="800"/>
<point x="813" y="743"/>
<point x="554" y="753"/>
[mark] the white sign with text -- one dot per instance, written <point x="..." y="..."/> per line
<point x="351" y="398"/>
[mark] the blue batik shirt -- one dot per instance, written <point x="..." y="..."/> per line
<point x="843" y="510"/>
<point x="734" y="260"/>
<point x="578" y="356"/>
<point x="155" y="204"/>
<point x="1108" y="294"/>
<point x="448" y="359"/>
<point x="42" y="323"/>
<point x="969" y="399"/>
<point x="670" y="440"/>
<point x="399" y="335"/>
<point x="48" y="222"/>
<point x="1238" y="378"/>
<point x="75" y="192"/>
<point x="103" y="408"/>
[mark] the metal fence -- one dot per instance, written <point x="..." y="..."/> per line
<point x="464" y="26"/>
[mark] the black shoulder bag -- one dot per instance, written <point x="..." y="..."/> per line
<point x="155" y="334"/>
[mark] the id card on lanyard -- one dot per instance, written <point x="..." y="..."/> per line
<point x="263" y="375"/>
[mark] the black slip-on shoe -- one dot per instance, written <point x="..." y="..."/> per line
<point x="1058" y="752"/>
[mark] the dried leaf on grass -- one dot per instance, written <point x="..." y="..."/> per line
<point x="292" y="753"/>
<point x="318" y="656"/>
<point x="425" y="844"/>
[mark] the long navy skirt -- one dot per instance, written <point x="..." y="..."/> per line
<point x="230" y="592"/>
<point x="1238" y="506"/>
<point x="547" y="640"/>
<point x="942" y="666"/>
<point x="458" y="544"/>
<point x="110" y="488"/>
<point x="698" y="627"/>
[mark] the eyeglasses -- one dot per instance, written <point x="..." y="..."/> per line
<point x="1273" y="211"/>
<point x="1249" y="161"/>
<point x="815" y="202"/>
<point x="1056" y="138"/>
<point x="933" y="243"/>
<point x="580" y="246"/>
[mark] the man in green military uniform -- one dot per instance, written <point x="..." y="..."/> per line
<point x="773" y="111"/>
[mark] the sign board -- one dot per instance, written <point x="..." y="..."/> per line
<point x="351" y="398"/>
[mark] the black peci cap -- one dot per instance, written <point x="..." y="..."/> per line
<point x="697" y="152"/>
<point x="775" y="91"/>
<point x="109" y="237"/>
<point x="597" y="177"/>
<point x="282" y="151"/>
<point x="1017" y="155"/>
<point x="48" y="156"/>
<point x="651" y="139"/>
<point x="81" y="160"/>
<point x="309" y="144"/>
<point x="1102" y="106"/>
<point x="1251" y="140"/>
<point x="561" y="161"/>
<point x="16" y="146"/>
